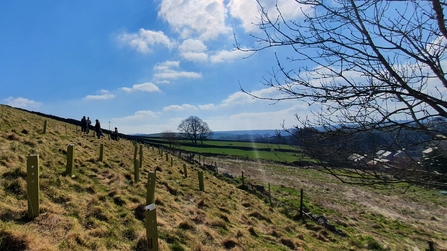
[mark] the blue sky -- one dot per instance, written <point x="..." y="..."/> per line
<point x="142" y="66"/>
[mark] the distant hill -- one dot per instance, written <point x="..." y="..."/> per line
<point x="247" y="134"/>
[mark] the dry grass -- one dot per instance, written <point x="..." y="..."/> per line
<point x="394" y="219"/>
<point x="101" y="207"/>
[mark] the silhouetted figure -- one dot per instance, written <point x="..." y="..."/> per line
<point x="83" y="124"/>
<point x="115" y="134"/>
<point x="88" y="124"/>
<point x="98" y="129"/>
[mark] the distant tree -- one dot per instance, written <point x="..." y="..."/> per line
<point x="171" y="137"/>
<point x="195" y="129"/>
<point x="373" y="72"/>
<point x="204" y="132"/>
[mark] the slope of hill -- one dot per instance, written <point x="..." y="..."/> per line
<point x="101" y="207"/>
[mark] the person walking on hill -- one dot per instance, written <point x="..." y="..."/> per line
<point x="83" y="123"/>
<point x="115" y="134"/>
<point x="98" y="129"/>
<point x="88" y="124"/>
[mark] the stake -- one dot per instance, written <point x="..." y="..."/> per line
<point x="70" y="160"/>
<point x="136" y="169"/>
<point x="141" y="156"/>
<point x="33" y="186"/>
<point x="201" y="184"/>
<point x="431" y="246"/>
<point x="150" y="196"/>
<point x="151" y="227"/>
<point x="301" y="205"/>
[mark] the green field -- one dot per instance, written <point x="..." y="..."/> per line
<point x="247" y="150"/>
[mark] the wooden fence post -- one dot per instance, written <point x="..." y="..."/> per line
<point x="150" y="196"/>
<point x="270" y="197"/>
<point x="33" y="186"/>
<point x="167" y="156"/>
<point x="151" y="215"/>
<point x="215" y="165"/>
<point x="301" y="205"/>
<point x="101" y="153"/>
<point x="243" y="181"/>
<point x="201" y="184"/>
<point x="185" y="171"/>
<point x="70" y="160"/>
<point x="172" y="161"/>
<point x="136" y="170"/>
<point x="135" y="152"/>
<point x="431" y="246"/>
<point x="141" y="156"/>
<point x="151" y="227"/>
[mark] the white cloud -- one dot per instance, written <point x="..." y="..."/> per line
<point x="21" y="102"/>
<point x="437" y="45"/>
<point x="257" y="120"/>
<point x="172" y="74"/>
<point x="269" y="92"/>
<point x="191" y="18"/>
<point x="163" y="82"/>
<point x="193" y="50"/>
<point x="166" y="65"/>
<point x="207" y="107"/>
<point x="145" y="87"/>
<point x="237" y="98"/>
<point x="177" y="108"/>
<point x="224" y="55"/>
<point x="165" y="71"/>
<point x="104" y="95"/>
<point x="248" y="11"/>
<point x="137" y="117"/>
<point x="195" y="56"/>
<point x="144" y="40"/>
<point x="240" y="98"/>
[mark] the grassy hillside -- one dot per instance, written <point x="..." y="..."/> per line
<point x="101" y="208"/>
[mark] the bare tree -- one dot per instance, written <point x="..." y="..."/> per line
<point x="195" y="129"/>
<point x="204" y="132"/>
<point x="171" y="137"/>
<point x="373" y="72"/>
